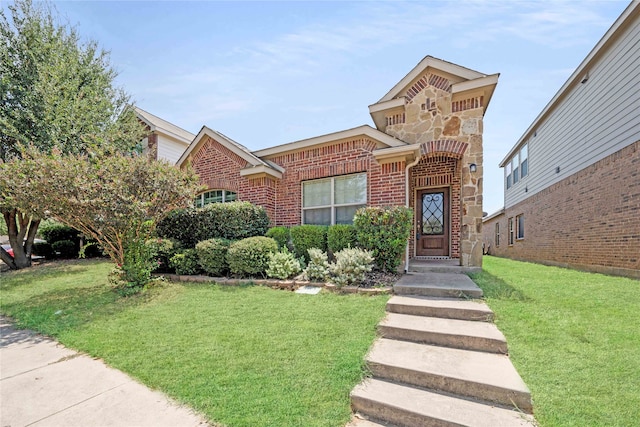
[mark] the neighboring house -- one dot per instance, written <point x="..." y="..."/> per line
<point x="165" y="140"/>
<point x="572" y="181"/>
<point x="425" y="153"/>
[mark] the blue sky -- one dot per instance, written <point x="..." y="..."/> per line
<point x="268" y="73"/>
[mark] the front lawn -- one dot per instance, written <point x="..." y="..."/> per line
<point x="573" y="336"/>
<point x="242" y="356"/>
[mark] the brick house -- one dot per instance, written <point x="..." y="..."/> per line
<point x="572" y="181"/>
<point x="165" y="140"/>
<point x="425" y="152"/>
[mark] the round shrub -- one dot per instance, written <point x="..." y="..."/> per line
<point x="318" y="267"/>
<point x="185" y="262"/>
<point x="182" y="225"/>
<point x="305" y="237"/>
<point x="65" y="249"/>
<point x="341" y="236"/>
<point x="212" y="256"/>
<point x="54" y="232"/>
<point x="43" y="249"/>
<point x="282" y="265"/>
<point x="385" y="232"/>
<point x="162" y="250"/>
<point x="280" y="235"/>
<point x="250" y="256"/>
<point x="351" y="266"/>
<point x="234" y="220"/>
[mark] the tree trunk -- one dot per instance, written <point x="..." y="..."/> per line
<point x="22" y="231"/>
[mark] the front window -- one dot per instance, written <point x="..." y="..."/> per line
<point x="333" y="200"/>
<point x="214" y="196"/>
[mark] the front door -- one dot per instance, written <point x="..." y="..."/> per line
<point x="432" y="234"/>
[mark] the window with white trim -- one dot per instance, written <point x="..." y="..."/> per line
<point x="333" y="200"/>
<point x="497" y="234"/>
<point x="520" y="227"/>
<point x="508" y="172"/>
<point x="511" y="231"/>
<point x="214" y="196"/>
<point x="524" y="161"/>
<point x="518" y="166"/>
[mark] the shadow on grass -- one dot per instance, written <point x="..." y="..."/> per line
<point x="17" y="278"/>
<point x="496" y="288"/>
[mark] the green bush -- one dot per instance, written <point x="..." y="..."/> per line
<point x="250" y="256"/>
<point x="185" y="262"/>
<point x="385" y="232"/>
<point x="54" y="232"/>
<point x="42" y="249"/>
<point x="280" y="235"/>
<point x="212" y="256"/>
<point x="351" y="266"/>
<point x="282" y="265"/>
<point x="182" y="225"/>
<point x="90" y="249"/>
<point x="161" y="251"/>
<point x="65" y="249"/>
<point x="138" y="265"/>
<point x="305" y="237"/>
<point x="318" y="268"/>
<point x="233" y="221"/>
<point x="341" y="236"/>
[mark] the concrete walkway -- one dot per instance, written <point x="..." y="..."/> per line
<point x="43" y="383"/>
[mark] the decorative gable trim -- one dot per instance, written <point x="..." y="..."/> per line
<point x="428" y="79"/>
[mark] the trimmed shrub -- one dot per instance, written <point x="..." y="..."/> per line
<point x="182" y="225"/>
<point x="318" y="268"/>
<point x="250" y="256"/>
<point x="280" y="235"/>
<point x="161" y="251"/>
<point x="185" y="262"/>
<point x="212" y="256"/>
<point x="65" y="249"/>
<point x="282" y="265"/>
<point x="351" y="266"/>
<point x="91" y="249"/>
<point x="42" y="249"/>
<point x="54" y="232"/>
<point x="385" y="232"/>
<point x="305" y="237"/>
<point x="341" y="236"/>
<point x="233" y="221"/>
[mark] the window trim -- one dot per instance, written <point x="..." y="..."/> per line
<point x="333" y="205"/>
<point x="514" y="171"/>
<point x="224" y="196"/>
<point x="497" y="234"/>
<point x="510" y="223"/>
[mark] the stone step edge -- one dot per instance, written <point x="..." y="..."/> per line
<point x="479" y="313"/>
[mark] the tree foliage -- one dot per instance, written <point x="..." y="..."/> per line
<point x="114" y="199"/>
<point x="56" y="92"/>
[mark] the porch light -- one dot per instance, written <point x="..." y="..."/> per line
<point x="473" y="168"/>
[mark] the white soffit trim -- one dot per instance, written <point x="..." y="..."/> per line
<point x="418" y="70"/>
<point x="365" y="130"/>
<point x="386" y="105"/>
<point x="475" y="84"/>
<point x="155" y="123"/>
<point x="260" y="170"/>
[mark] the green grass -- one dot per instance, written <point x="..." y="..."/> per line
<point x="242" y="356"/>
<point x="573" y="336"/>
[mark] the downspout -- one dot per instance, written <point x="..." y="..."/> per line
<point x="406" y="197"/>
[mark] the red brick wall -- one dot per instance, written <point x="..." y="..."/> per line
<point x="590" y="220"/>
<point x="435" y="172"/>
<point x="385" y="184"/>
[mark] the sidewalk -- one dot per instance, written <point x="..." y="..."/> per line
<point x="43" y="383"/>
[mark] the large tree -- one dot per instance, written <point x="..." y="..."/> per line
<point x="115" y="199"/>
<point x="56" y="92"/>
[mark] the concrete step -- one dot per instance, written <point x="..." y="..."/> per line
<point x="478" y="375"/>
<point x="357" y="421"/>
<point x="412" y="407"/>
<point x="463" y="334"/>
<point x="440" y="266"/>
<point x="447" y="285"/>
<point x="446" y="308"/>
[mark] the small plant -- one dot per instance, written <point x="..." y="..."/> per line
<point x="212" y="256"/>
<point x="318" y="268"/>
<point x="283" y="265"/>
<point x="185" y="262"/>
<point x="384" y="232"/>
<point x="280" y="235"/>
<point x="250" y="256"/>
<point x="351" y="266"/>
<point x="340" y="236"/>
<point x="305" y="237"/>
<point x="138" y="263"/>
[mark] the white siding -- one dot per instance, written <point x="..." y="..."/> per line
<point x="170" y="149"/>
<point x="594" y="120"/>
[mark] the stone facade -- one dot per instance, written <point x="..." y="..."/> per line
<point x="594" y="220"/>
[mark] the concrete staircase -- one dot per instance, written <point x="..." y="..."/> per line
<point x="440" y="361"/>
